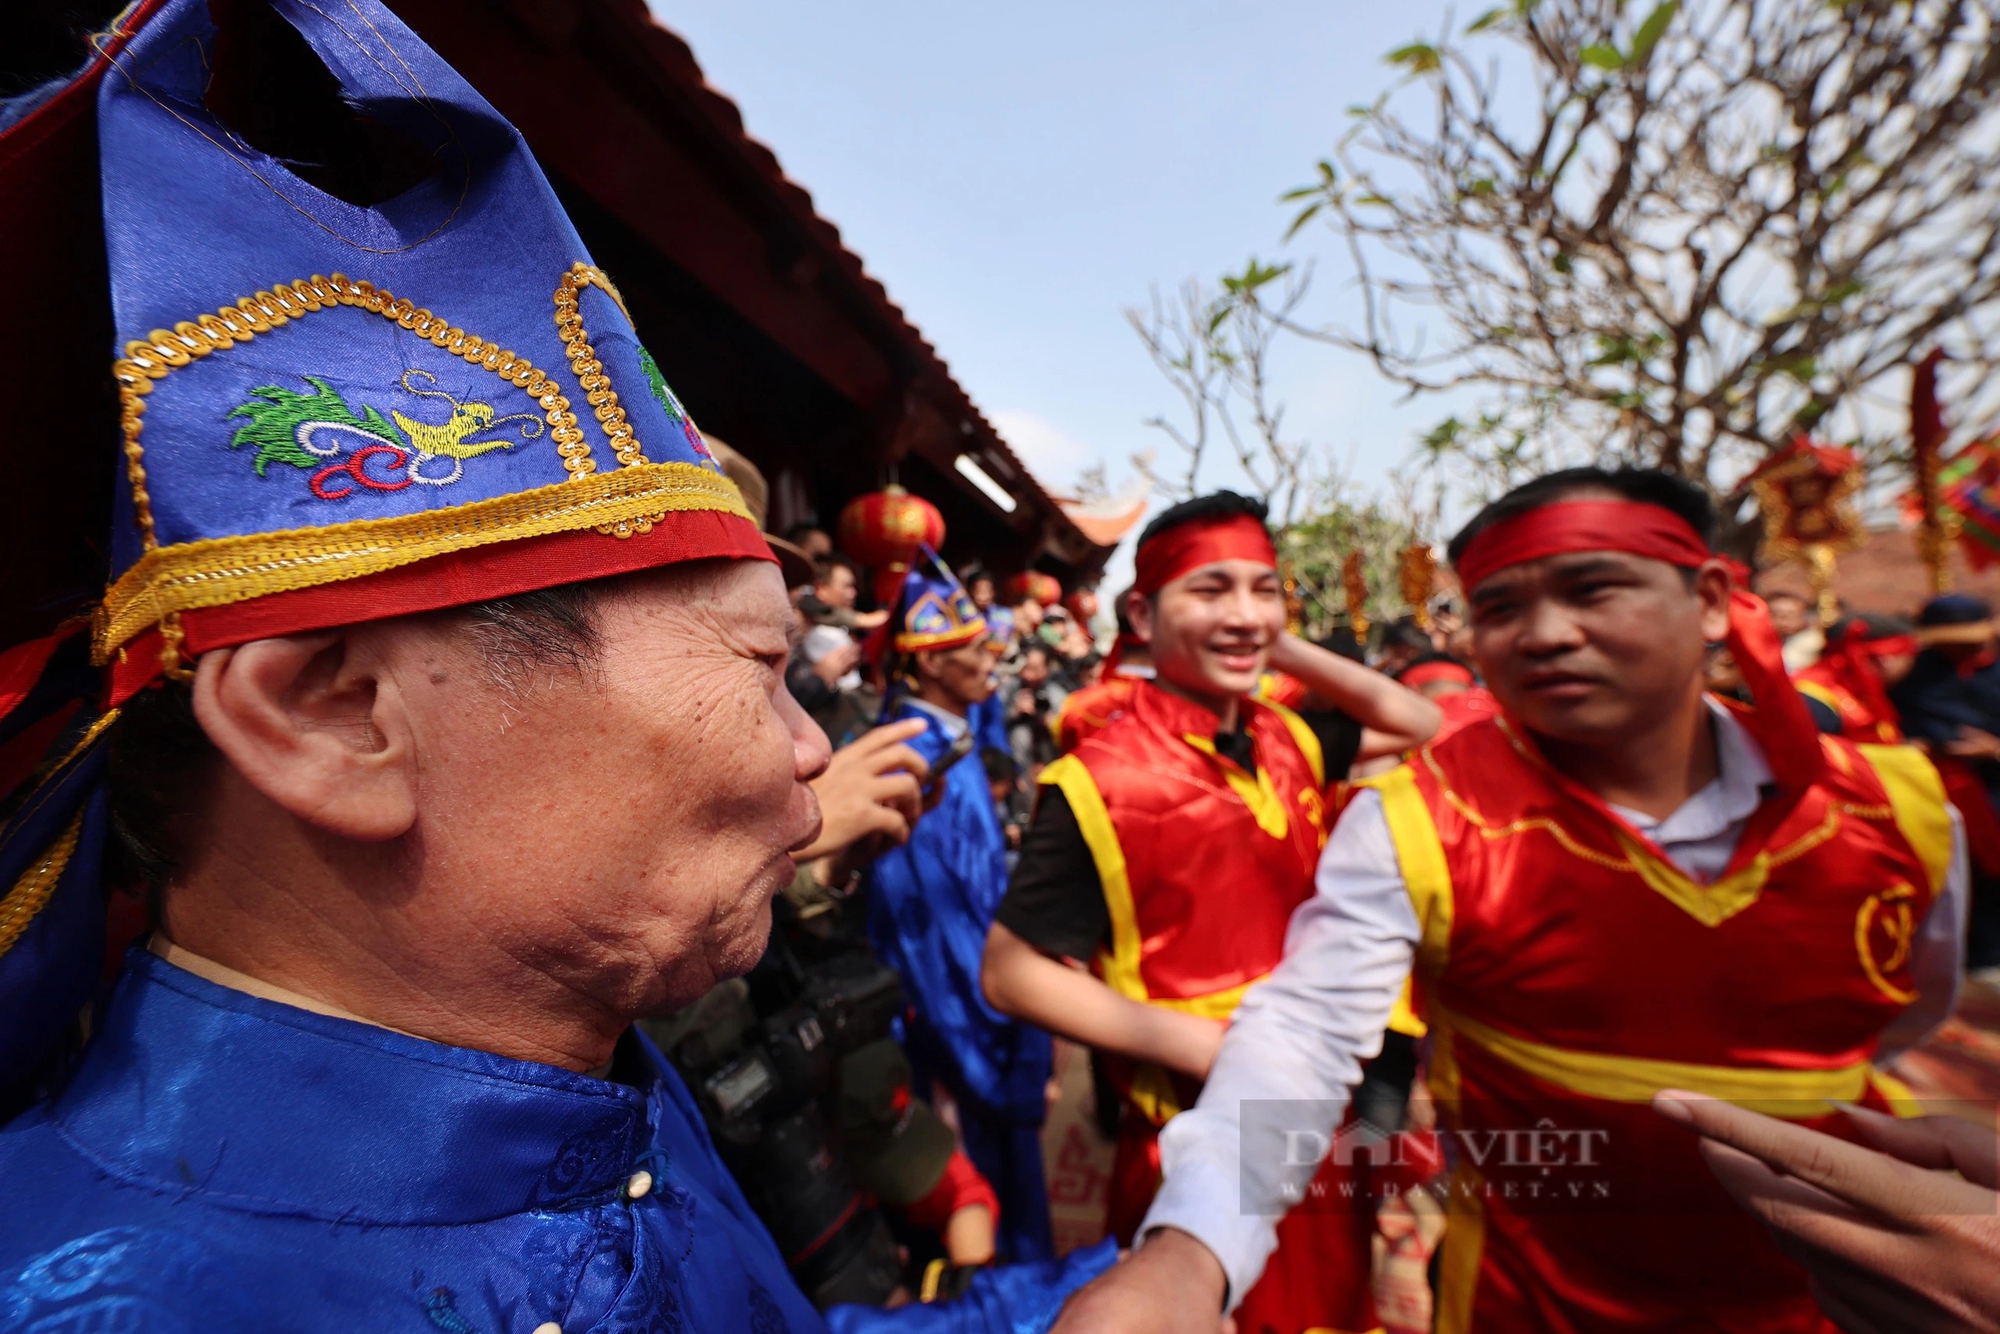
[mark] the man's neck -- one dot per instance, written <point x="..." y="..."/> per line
<point x="935" y="695"/>
<point x="1653" y="770"/>
<point x="1225" y="707"/>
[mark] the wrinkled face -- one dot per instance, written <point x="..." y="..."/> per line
<point x="1588" y="647"/>
<point x="1211" y="630"/>
<point x="624" y="829"/>
<point x="964" y="673"/>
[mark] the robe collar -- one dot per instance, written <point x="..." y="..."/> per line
<point x="202" y="1091"/>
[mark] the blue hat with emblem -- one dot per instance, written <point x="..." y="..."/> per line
<point x="933" y="610"/>
<point x="329" y="413"/>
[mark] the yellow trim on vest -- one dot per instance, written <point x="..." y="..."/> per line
<point x="1403" y="1017"/>
<point x="1916" y="796"/>
<point x="1901" y="1099"/>
<point x="1303" y="737"/>
<point x="1420" y="855"/>
<point x="1814" y="690"/>
<point x="1462" y="1249"/>
<point x="1710" y="904"/>
<point x="1794" y="1094"/>
<point x="1121" y="963"/>
<point x="1258" y="792"/>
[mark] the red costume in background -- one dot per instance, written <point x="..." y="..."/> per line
<point x="1569" y="970"/>
<point x="1846" y="680"/>
<point x="1090" y="710"/>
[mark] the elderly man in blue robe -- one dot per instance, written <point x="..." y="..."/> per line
<point x="931" y="903"/>
<point x="437" y="696"/>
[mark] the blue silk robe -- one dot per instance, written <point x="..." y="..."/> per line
<point x="222" y="1163"/>
<point x="930" y="905"/>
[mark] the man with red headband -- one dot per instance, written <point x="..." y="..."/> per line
<point x="1616" y="885"/>
<point x="1169" y="849"/>
<point x="1847" y="690"/>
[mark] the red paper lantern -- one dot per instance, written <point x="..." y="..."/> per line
<point x="883" y="529"/>
<point x="1033" y="585"/>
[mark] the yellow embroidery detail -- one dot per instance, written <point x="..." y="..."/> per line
<point x="219" y="571"/>
<point x="1257" y="793"/>
<point x="467" y="419"/>
<point x="163" y="350"/>
<point x="1793" y="1094"/>
<point x="1891" y="910"/>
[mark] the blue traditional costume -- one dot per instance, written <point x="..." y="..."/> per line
<point x="930" y="905"/>
<point x="300" y="453"/>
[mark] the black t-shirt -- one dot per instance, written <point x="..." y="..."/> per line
<point x="1055" y="901"/>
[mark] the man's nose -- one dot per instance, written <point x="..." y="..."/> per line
<point x="1240" y="607"/>
<point x="1548" y="628"/>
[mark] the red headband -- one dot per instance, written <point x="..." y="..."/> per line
<point x="1423" y="673"/>
<point x="1629" y="526"/>
<point x="1188" y="546"/>
<point x="1780" y="722"/>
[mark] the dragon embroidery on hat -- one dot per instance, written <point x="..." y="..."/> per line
<point x="658" y="383"/>
<point x="311" y="431"/>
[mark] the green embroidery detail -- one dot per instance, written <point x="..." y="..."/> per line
<point x="658" y="384"/>
<point x="277" y="414"/>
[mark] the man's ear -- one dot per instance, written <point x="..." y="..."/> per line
<point x="924" y="666"/>
<point x="1139" y="611"/>
<point x="1712" y="586"/>
<point x="316" y="727"/>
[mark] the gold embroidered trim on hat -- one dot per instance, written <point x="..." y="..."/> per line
<point x="163" y="350"/>
<point x="218" y="571"/>
<point x="589" y="372"/>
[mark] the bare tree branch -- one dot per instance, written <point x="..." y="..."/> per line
<point x="1712" y="225"/>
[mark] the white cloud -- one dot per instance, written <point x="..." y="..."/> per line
<point x="1051" y="453"/>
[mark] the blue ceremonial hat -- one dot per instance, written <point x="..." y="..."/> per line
<point x="330" y="412"/>
<point x="933" y="610"/>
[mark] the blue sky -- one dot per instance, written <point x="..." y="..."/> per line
<point x="1017" y="175"/>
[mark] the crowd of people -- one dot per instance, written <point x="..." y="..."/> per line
<point x="473" y="877"/>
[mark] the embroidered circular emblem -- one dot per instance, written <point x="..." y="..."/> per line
<point x="1884" y="930"/>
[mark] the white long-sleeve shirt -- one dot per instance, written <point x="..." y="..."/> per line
<point x="1300" y="1035"/>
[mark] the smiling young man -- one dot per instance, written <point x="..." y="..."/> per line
<point x="1615" y="886"/>
<point x="1169" y="848"/>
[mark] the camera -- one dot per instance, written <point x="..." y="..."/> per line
<point x="762" y="1056"/>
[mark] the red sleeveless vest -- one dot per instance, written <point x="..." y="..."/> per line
<point x="1569" y="971"/>
<point x="1202" y="862"/>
